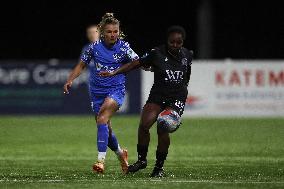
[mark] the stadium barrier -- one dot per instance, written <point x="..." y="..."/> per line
<point x="232" y="89"/>
<point x="36" y="87"/>
<point x="217" y="88"/>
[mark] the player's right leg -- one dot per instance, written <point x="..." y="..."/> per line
<point x="148" y="118"/>
<point x="106" y="110"/>
<point x="96" y="103"/>
<point x="117" y="95"/>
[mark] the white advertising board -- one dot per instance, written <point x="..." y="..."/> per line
<point x="232" y="88"/>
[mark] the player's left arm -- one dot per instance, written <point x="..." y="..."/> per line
<point x="123" y="69"/>
<point x="133" y="63"/>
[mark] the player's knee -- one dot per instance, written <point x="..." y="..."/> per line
<point x="161" y="131"/>
<point x="143" y="129"/>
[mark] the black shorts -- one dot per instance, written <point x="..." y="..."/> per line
<point x="176" y="103"/>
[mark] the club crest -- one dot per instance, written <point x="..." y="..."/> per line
<point x="184" y="61"/>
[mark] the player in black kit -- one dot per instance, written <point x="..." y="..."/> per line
<point x="171" y="64"/>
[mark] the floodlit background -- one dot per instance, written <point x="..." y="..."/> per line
<point x="233" y="128"/>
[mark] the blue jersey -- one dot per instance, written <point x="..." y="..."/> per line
<point x="85" y="48"/>
<point x="107" y="59"/>
<point x="91" y="65"/>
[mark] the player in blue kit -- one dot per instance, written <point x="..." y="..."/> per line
<point x="106" y="93"/>
<point x="92" y="34"/>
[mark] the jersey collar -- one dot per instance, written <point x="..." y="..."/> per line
<point x="112" y="47"/>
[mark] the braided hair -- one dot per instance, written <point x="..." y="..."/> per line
<point x="109" y="18"/>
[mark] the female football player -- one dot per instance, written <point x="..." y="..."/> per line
<point x="106" y="94"/>
<point x="171" y="64"/>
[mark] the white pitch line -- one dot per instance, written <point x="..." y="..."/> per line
<point x="220" y="182"/>
<point x="150" y="180"/>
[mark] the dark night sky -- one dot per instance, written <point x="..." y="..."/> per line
<point x="46" y="29"/>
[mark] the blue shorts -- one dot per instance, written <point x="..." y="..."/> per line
<point x="97" y="99"/>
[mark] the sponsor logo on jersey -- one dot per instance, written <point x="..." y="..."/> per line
<point x="174" y="76"/>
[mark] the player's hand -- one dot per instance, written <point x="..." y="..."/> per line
<point x="66" y="87"/>
<point x="106" y="73"/>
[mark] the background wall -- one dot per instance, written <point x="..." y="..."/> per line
<point x="36" y="87"/>
<point x="237" y="29"/>
<point x="50" y="35"/>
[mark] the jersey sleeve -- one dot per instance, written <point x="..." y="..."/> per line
<point x="130" y="54"/>
<point x="87" y="54"/>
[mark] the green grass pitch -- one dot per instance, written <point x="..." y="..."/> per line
<point x="58" y="152"/>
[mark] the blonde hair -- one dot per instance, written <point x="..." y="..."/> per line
<point x="109" y="18"/>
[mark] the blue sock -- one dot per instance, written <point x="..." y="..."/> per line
<point x="102" y="137"/>
<point x="112" y="142"/>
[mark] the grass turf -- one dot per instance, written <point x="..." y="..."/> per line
<point x="58" y="152"/>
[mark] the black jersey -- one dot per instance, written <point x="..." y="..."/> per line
<point x="171" y="74"/>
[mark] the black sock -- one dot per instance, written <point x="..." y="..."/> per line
<point x="142" y="151"/>
<point x="160" y="158"/>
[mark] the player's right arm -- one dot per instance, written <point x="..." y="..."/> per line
<point x="73" y="75"/>
<point x="86" y="57"/>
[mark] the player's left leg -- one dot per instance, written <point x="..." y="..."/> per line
<point x="121" y="154"/>
<point x="164" y="140"/>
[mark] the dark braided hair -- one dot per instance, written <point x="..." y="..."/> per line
<point x="176" y="29"/>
